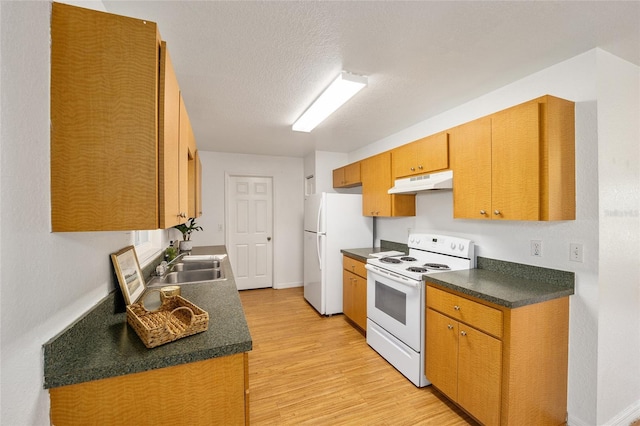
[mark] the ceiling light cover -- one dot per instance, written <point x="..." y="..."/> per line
<point x="339" y="91"/>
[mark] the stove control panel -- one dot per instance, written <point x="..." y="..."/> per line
<point x="444" y="244"/>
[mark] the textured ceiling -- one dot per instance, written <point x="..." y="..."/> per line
<point x="247" y="70"/>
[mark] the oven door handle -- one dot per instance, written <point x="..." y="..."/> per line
<point x="395" y="277"/>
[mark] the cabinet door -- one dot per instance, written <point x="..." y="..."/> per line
<point x="169" y="143"/>
<point x="183" y="161"/>
<point x="347" y="176"/>
<point x="433" y="153"/>
<point x="471" y="165"/>
<point x="354" y="298"/>
<point x="515" y="170"/>
<point x="479" y="374"/>
<point x="360" y="301"/>
<point x="104" y="124"/>
<point x="348" y="294"/>
<point x="376" y="181"/>
<point x="404" y="160"/>
<point x="441" y="358"/>
<point x="352" y="174"/>
<point x="198" y="185"/>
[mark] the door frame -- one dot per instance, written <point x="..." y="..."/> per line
<point x="227" y="177"/>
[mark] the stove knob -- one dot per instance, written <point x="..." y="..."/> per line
<point x="453" y="246"/>
<point x="461" y="246"/>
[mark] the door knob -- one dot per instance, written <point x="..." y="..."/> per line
<point x="268" y="238"/>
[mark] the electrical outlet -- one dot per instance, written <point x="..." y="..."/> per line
<point x="575" y="252"/>
<point x="536" y="248"/>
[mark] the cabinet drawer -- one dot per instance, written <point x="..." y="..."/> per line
<point x="467" y="311"/>
<point x="355" y="266"/>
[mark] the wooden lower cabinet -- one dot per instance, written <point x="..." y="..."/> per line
<point x="354" y="291"/>
<point x="503" y="366"/>
<point x="214" y="391"/>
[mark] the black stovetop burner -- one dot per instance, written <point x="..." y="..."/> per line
<point x="436" y="266"/>
<point x="408" y="259"/>
<point x="390" y="260"/>
<point x="416" y="269"/>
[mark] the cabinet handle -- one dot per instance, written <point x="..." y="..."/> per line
<point x="482" y="212"/>
<point x="420" y="167"/>
<point x="449" y="326"/>
<point x="413" y="169"/>
<point x="463" y="333"/>
<point x="456" y="307"/>
<point x="496" y="212"/>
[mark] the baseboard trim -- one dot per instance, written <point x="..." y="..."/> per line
<point x="630" y="416"/>
<point x="281" y="286"/>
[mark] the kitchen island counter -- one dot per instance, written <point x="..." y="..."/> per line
<point x="101" y="345"/>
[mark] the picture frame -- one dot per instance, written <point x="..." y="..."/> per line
<point x="127" y="268"/>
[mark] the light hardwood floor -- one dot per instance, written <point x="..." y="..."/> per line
<point x="314" y="370"/>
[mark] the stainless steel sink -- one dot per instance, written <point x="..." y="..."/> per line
<point x="188" y="277"/>
<point x="192" y="265"/>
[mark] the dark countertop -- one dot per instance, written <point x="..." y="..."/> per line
<point x="101" y="344"/>
<point x="507" y="284"/>
<point x="503" y="283"/>
<point x="362" y="254"/>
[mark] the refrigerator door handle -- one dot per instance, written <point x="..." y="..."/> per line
<point x="318" y="236"/>
<point x="319" y="232"/>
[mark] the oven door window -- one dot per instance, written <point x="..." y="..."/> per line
<point x="392" y="302"/>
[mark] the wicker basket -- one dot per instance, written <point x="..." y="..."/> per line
<point x="176" y="318"/>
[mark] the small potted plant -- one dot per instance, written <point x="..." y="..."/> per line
<point x="187" y="228"/>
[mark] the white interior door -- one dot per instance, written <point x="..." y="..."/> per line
<point x="250" y="230"/>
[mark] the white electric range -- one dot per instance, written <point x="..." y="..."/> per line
<point x="396" y="298"/>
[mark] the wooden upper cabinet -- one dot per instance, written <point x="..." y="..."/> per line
<point x="347" y="176"/>
<point x="198" y="186"/>
<point x="104" y="121"/>
<point x="376" y="181"/>
<point x="471" y="165"/>
<point x="115" y="125"/>
<point x="171" y="186"/>
<point x="422" y="156"/>
<point x="517" y="164"/>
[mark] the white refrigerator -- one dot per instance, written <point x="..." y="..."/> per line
<point x="331" y="222"/>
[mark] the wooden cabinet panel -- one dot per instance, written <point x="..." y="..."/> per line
<point x="422" y="156"/>
<point x="214" y="391"/>
<point x="470" y="146"/>
<point x="516" y="164"/>
<point x="354" y="291"/>
<point x="169" y="139"/>
<point x="355" y="266"/>
<point x="186" y="163"/>
<point x="492" y="377"/>
<point x="347" y="176"/>
<point x="376" y="181"/>
<point x="198" y="185"/>
<point x="480" y="316"/>
<point x="479" y="374"/>
<point x="442" y="353"/>
<point x="117" y="157"/>
<point x="104" y="121"/>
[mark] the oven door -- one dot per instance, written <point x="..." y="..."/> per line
<point x="396" y="304"/>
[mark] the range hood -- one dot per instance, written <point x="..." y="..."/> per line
<point x="429" y="182"/>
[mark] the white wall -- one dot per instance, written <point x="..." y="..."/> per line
<point x="618" y="86"/>
<point x="604" y="320"/>
<point x="288" y="190"/>
<point x="46" y="280"/>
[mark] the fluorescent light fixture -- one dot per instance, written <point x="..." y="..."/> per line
<point x="340" y="91"/>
